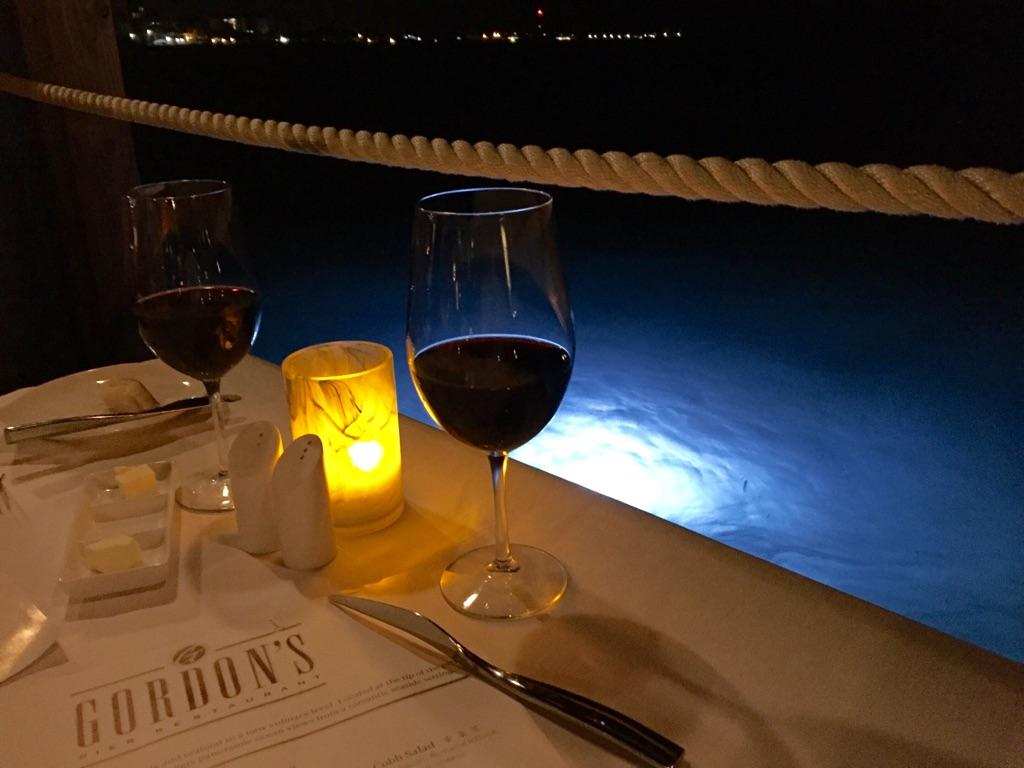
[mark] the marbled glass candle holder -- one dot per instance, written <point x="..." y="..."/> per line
<point x="344" y="393"/>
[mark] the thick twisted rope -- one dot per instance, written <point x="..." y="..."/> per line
<point x="984" y="194"/>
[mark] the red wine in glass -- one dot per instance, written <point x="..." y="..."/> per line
<point x="493" y="392"/>
<point x="202" y="331"/>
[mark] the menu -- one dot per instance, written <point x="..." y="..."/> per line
<point x="323" y="689"/>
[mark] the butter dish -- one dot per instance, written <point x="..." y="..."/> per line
<point x="106" y="513"/>
<point x="148" y="530"/>
<point x="108" y="502"/>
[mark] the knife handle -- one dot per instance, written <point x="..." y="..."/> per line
<point x="651" y="746"/>
<point x="56" y="427"/>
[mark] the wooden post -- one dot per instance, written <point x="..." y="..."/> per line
<point x="73" y="43"/>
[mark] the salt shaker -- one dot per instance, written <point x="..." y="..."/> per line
<point x="251" y="463"/>
<point x="302" y="505"/>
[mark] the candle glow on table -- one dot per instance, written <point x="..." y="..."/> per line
<point x="344" y="393"/>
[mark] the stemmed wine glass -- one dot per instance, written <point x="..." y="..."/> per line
<point x="197" y="305"/>
<point x="490" y="344"/>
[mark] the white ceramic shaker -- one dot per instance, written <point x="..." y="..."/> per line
<point x="251" y="462"/>
<point x="303" y="506"/>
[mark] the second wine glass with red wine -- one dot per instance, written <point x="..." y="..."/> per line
<point x="490" y="344"/>
<point x="197" y="305"/>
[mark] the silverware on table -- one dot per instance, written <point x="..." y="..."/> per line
<point x="66" y="426"/>
<point x="647" y="744"/>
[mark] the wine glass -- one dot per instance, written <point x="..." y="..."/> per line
<point x="490" y="344"/>
<point x="197" y="305"/>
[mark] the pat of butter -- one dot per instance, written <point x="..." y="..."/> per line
<point x="135" y="481"/>
<point x="114" y="553"/>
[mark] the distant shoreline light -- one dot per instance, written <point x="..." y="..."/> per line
<point x="194" y="36"/>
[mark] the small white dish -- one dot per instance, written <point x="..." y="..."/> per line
<point x="134" y="517"/>
<point x="105" y="500"/>
<point x="148" y="530"/>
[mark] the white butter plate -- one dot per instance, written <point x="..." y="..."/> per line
<point x="152" y="529"/>
<point x="104" y="497"/>
<point x="148" y="531"/>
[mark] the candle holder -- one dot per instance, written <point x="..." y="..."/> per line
<point x="344" y="393"/>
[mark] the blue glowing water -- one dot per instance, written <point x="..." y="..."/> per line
<point x="850" y="424"/>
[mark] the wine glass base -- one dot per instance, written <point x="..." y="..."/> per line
<point x="203" y="492"/>
<point x="472" y="587"/>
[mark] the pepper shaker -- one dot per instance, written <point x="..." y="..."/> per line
<point x="303" y="506"/>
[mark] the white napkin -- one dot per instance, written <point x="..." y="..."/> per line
<point x="25" y="631"/>
<point x="33" y="541"/>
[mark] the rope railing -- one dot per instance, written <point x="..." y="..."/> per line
<point x="983" y="194"/>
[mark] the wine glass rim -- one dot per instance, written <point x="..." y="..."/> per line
<point x="543" y="200"/>
<point x="201" y="188"/>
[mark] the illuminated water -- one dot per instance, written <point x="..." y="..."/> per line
<point x="855" y="422"/>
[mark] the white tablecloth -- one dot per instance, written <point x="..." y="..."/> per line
<point x="743" y="663"/>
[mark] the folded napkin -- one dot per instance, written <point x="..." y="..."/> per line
<point x="25" y="631"/>
<point x="33" y="539"/>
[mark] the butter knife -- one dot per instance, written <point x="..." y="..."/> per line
<point x="66" y="426"/>
<point x="652" y="747"/>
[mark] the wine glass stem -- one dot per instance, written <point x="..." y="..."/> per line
<point x="503" y="559"/>
<point x="213" y="390"/>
